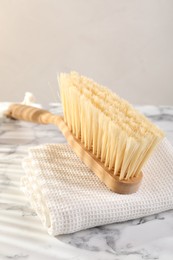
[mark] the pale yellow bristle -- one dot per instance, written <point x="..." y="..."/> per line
<point x="107" y="125"/>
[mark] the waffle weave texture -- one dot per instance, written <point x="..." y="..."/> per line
<point x="68" y="197"/>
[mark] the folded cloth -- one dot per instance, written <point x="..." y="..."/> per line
<point x="68" y="197"/>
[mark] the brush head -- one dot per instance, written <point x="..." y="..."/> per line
<point x="108" y="126"/>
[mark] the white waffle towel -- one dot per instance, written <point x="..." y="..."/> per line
<point x="68" y="197"/>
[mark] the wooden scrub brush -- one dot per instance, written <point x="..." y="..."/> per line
<point x="105" y="131"/>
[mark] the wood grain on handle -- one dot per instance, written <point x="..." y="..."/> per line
<point x="36" y="115"/>
<point x="31" y="114"/>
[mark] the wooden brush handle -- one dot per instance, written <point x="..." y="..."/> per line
<point x="36" y="115"/>
<point x="39" y="116"/>
<point x="31" y="114"/>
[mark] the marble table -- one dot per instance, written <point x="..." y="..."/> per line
<point x="22" y="235"/>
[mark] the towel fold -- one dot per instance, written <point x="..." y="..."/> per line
<point x="68" y="197"/>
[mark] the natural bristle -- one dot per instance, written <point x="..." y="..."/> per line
<point x="118" y="135"/>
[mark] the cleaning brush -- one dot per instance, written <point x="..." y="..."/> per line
<point x="105" y="131"/>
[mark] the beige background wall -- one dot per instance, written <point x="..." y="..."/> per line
<point x="124" y="44"/>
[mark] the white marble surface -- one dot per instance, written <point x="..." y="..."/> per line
<point x="21" y="233"/>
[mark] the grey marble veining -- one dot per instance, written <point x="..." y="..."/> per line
<point x="21" y="233"/>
